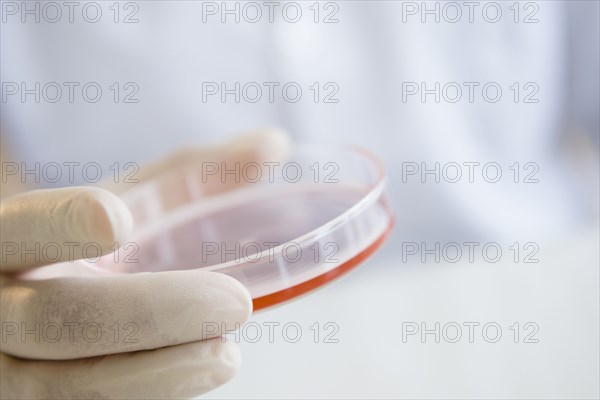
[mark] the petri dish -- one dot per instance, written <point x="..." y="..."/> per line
<point x="282" y="228"/>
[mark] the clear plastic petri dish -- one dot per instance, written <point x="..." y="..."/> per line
<point x="281" y="228"/>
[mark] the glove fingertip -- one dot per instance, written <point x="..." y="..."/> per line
<point x="104" y="218"/>
<point x="229" y="361"/>
<point x="268" y="144"/>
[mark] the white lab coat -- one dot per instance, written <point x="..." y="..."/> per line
<point x="368" y="54"/>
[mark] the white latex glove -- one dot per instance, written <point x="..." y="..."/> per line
<point x="151" y="342"/>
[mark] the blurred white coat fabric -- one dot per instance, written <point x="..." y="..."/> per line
<point x="369" y="53"/>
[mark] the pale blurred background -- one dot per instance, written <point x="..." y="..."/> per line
<point x="369" y="51"/>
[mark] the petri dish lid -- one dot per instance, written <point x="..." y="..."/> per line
<point x="282" y="228"/>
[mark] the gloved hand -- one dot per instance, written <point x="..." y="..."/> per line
<point x="116" y="336"/>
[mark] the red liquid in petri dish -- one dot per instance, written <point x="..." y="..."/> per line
<point x="280" y="243"/>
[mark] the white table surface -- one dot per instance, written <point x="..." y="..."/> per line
<point x="560" y="294"/>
